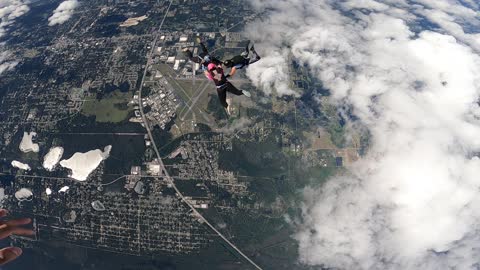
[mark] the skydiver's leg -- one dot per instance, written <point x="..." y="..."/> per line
<point x="251" y="61"/>
<point x="247" y="51"/>
<point x="222" y="96"/>
<point x="232" y="89"/>
<point x="255" y="58"/>
<point x="188" y="54"/>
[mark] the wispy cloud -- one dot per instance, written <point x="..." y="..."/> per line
<point x="9" y="11"/>
<point x="6" y="61"/>
<point x="413" y="201"/>
<point x="236" y="125"/>
<point x="63" y="12"/>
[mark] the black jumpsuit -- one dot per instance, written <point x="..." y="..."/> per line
<point x="223" y="86"/>
<point x="240" y="61"/>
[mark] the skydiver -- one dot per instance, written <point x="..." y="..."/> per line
<point x="215" y="73"/>
<point x="242" y="60"/>
<point x="204" y="58"/>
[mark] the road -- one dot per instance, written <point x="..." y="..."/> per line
<point x="165" y="172"/>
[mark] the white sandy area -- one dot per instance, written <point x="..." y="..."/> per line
<point x="52" y="158"/>
<point x="82" y="164"/>
<point x="20" y="165"/>
<point x="27" y="145"/>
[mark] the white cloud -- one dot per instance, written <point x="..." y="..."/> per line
<point x="413" y="201"/>
<point x="236" y="125"/>
<point x="63" y="12"/>
<point x="9" y="11"/>
<point x="272" y="73"/>
<point x="7" y="61"/>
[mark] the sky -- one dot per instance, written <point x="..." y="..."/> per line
<point x="409" y="71"/>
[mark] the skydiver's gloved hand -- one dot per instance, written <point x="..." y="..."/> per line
<point x="12" y="227"/>
<point x="228" y="75"/>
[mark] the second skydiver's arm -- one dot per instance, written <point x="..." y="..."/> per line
<point x="232" y="72"/>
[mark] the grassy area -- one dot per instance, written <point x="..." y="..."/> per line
<point x="111" y="108"/>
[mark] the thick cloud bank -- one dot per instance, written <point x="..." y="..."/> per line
<point x="63" y="12"/>
<point x="410" y="71"/>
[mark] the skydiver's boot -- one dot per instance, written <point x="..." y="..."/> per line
<point x="246" y="93"/>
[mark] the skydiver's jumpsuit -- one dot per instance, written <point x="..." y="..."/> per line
<point x="200" y="58"/>
<point x="242" y="60"/>
<point x="223" y="85"/>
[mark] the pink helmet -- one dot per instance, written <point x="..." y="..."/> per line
<point x="211" y="66"/>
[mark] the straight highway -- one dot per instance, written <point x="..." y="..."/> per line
<point x="159" y="158"/>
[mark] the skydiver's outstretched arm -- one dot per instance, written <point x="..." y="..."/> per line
<point x="232" y="72"/>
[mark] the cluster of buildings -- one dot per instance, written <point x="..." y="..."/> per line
<point x="159" y="105"/>
<point x="142" y="221"/>
<point x="200" y="160"/>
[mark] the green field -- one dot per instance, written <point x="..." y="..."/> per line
<point x="111" y="108"/>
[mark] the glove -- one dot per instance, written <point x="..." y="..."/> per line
<point x="228" y="75"/>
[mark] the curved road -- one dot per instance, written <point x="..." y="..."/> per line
<point x="165" y="172"/>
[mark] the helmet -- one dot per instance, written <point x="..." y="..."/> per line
<point x="228" y="63"/>
<point x="211" y="66"/>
